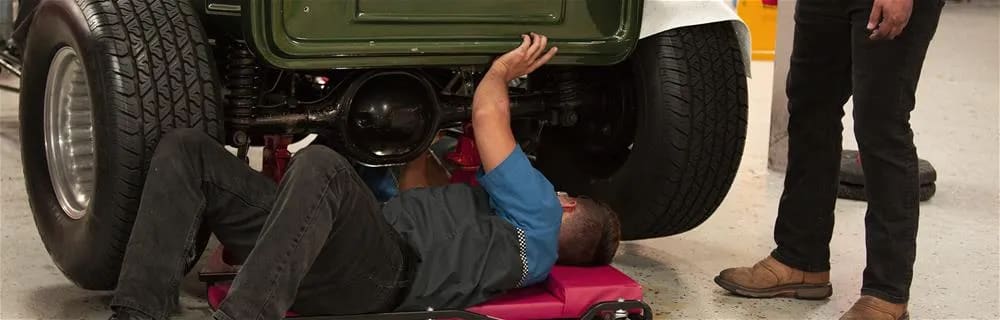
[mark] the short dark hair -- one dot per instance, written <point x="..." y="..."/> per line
<point x="591" y="235"/>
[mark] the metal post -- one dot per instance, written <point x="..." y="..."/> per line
<point x="777" y="157"/>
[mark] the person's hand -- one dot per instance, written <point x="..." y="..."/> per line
<point x="889" y="18"/>
<point x="523" y="59"/>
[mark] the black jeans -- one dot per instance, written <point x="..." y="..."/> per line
<point x="832" y="58"/>
<point x="316" y="243"/>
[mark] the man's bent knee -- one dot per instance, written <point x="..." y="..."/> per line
<point x="321" y="157"/>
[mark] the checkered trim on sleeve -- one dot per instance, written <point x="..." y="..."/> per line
<point x="522" y="246"/>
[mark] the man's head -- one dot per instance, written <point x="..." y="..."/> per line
<point x="589" y="234"/>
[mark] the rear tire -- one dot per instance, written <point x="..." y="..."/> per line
<point x="667" y="164"/>
<point x="145" y="67"/>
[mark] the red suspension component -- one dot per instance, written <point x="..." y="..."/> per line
<point x="465" y="157"/>
<point x="276" y="156"/>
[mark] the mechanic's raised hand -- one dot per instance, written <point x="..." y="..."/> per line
<point x="889" y="18"/>
<point x="523" y="59"/>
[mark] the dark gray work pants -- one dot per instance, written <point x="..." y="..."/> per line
<point x="315" y="243"/>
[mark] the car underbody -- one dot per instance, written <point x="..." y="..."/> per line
<point x="644" y="108"/>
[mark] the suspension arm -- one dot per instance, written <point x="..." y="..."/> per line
<point x="459" y="109"/>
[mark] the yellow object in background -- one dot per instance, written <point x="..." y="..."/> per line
<point x="762" y="18"/>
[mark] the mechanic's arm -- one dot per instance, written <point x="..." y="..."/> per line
<point x="519" y="193"/>
<point x="491" y="104"/>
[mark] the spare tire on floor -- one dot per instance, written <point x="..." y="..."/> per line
<point x="852" y="173"/>
<point x="103" y="81"/>
<point x="663" y="144"/>
<point x="857" y="192"/>
<point x="852" y="178"/>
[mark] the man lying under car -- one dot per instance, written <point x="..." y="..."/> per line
<point x="319" y="243"/>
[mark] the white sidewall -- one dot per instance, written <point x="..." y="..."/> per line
<point x="663" y="15"/>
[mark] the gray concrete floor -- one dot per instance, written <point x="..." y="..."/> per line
<point x="956" y="123"/>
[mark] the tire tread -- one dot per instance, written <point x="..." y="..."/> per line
<point x="158" y="77"/>
<point x="702" y="86"/>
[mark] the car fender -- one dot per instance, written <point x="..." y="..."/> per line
<point x="662" y="15"/>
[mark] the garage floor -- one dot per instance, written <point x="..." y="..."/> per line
<point x="956" y="123"/>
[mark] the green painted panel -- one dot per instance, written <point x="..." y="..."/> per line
<point x="460" y="11"/>
<point x="314" y="34"/>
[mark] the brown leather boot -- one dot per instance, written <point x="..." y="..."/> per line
<point x="770" y="278"/>
<point x="872" y="308"/>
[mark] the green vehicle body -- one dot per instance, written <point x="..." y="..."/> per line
<point x="327" y="34"/>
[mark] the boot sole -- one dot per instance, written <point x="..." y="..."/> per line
<point x="797" y="291"/>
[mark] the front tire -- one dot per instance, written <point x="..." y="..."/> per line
<point x="664" y="145"/>
<point x="103" y="81"/>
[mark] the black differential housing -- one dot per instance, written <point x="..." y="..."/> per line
<point x="392" y="117"/>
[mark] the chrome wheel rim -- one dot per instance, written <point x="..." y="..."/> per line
<point x="69" y="133"/>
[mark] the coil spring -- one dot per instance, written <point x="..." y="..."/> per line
<point x="242" y="80"/>
<point x="571" y="93"/>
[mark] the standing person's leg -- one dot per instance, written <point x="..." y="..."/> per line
<point x="325" y="247"/>
<point x="819" y="83"/>
<point x="885" y="77"/>
<point x="193" y="183"/>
